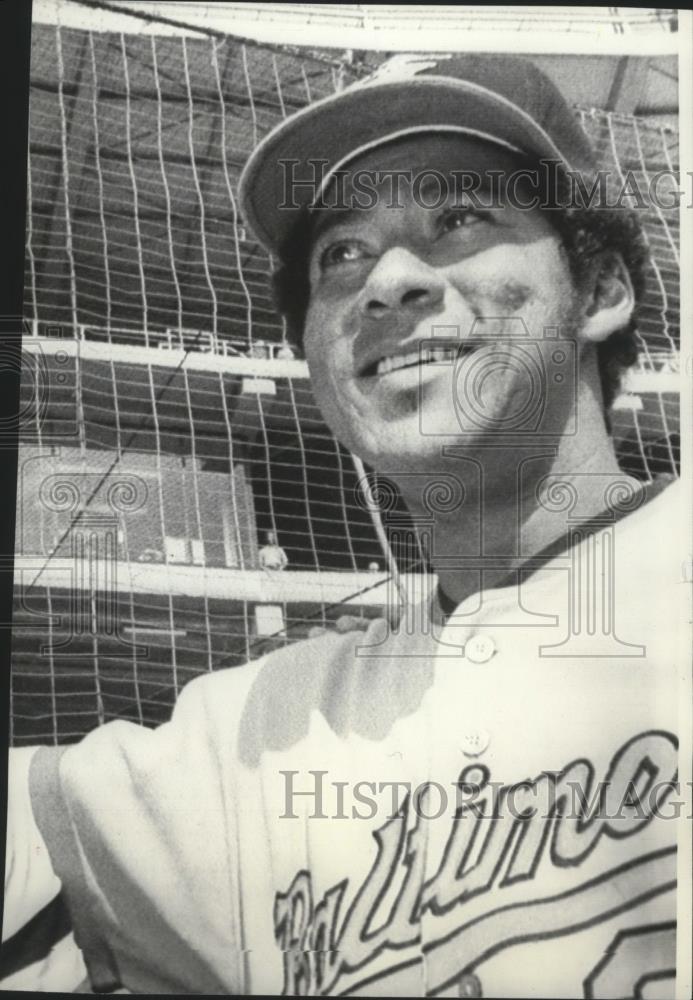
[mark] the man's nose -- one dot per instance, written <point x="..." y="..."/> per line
<point x="401" y="282"/>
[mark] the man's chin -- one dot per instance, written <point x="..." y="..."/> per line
<point x="428" y="452"/>
<point x="419" y="453"/>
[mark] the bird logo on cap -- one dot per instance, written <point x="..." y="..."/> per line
<point x="400" y="67"/>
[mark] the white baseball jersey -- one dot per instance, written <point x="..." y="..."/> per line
<point x="483" y="805"/>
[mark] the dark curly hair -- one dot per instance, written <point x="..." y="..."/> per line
<point x="585" y="233"/>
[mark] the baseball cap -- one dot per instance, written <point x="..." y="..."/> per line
<point x="505" y="100"/>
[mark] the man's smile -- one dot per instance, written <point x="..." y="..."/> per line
<point x="419" y="356"/>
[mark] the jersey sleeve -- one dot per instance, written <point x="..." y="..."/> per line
<point x="139" y="826"/>
<point x="30" y="882"/>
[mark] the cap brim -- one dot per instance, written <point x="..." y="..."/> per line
<point x="331" y="131"/>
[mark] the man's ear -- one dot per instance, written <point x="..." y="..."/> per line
<point x="611" y="299"/>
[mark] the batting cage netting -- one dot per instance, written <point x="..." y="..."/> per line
<point x="170" y="448"/>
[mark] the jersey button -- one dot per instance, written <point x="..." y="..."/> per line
<point x="475" y="742"/>
<point x="469" y="985"/>
<point x="479" y="648"/>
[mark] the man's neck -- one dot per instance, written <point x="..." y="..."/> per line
<point x="514" y="507"/>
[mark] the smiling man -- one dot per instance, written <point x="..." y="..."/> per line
<point x="411" y="334"/>
<point x="480" y="799"/>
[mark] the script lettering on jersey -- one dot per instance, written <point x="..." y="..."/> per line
<point x="467" y="905"/>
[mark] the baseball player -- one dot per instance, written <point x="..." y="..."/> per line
<point x="480" y="800"/>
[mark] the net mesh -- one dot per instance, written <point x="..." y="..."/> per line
<point x="170" y="446"/>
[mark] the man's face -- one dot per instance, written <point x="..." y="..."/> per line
<point x="386" y="278"/>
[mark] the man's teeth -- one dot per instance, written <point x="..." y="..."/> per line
<point x="416" y="357"/>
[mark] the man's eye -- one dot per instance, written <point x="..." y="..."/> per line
<point x="459" y="217"/>
<point x="345" y="252"/>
